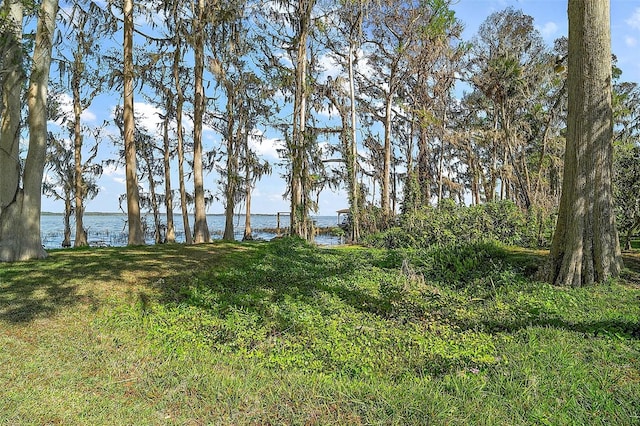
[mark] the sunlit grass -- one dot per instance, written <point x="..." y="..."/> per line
<point x="285" y="333"/>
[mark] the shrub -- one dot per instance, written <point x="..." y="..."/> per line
<point x="451" y="224"/>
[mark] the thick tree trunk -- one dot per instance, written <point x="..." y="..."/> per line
<point x="20" y="221"/>
<point x="136" y="236"/>
<point x="14" y="78"/>
<point x="201" y="229"/>
<point x="585" y="245"/>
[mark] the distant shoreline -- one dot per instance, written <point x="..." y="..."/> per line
<point x="175" y="213"/>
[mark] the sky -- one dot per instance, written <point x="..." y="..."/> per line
<point x="550" y="18"/>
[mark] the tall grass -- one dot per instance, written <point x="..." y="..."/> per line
<point x="286" y="333"/>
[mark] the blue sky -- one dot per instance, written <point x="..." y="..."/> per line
<point x="550" y="18"/>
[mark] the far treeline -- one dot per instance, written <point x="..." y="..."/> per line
<point x="529" y="128"/>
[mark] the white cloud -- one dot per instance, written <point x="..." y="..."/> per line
<point x="265" y="147"/>
<point x="549" y="29"/>
<point x="115" y="172"/>
<point x="66" y="109"/>
<point x="330" y="68"/>
<point x="634" y="20"/>
<point x="147" y="116"/>
<point x="630" y="41"/>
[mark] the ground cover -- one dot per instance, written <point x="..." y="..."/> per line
<point x="287" y="333"/>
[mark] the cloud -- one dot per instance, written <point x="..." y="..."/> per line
<point x="115" y="172"/>
<point x="634" y="20"/>
<point x="147" y="116"/>
<point x="330" y="68"/>
<point x="549" y="29"/>
<point x="65" y="103"/>
<point x="265" y="147"/>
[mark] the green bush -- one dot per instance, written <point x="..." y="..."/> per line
<point x="451" y="224"/>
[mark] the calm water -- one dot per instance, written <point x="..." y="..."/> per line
<point x="111" y="229"/>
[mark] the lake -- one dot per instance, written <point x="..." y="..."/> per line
<point x="110" y="229"/>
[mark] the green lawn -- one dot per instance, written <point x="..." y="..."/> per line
<point x="285" y="333"/>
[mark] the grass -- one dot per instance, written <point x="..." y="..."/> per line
<point x="285" y="333"/>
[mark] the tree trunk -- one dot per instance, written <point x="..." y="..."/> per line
<point x="136" y="236"/>
<point x="14" y="78"/>
<point x="201" y="229"/>
<point x="386" y="172"/>
<point x="180" y="148"/>
<point x="170" y="237"/>
<point x="232" y="168"/>
<point x="20" y="221"/>
<point x="424" y="173"/>
<point x="155" y="208"/>
<point x="299" y="210"/>
<point x="68" y="210"/>
<point x="78" y="181"/>
<point x="352" y="154"/>
<point x="248" y="235"/>
<point x="585" y="246"/>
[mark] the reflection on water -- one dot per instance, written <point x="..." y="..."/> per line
<point x="111" y="229"/>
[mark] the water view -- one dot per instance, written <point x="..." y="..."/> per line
<point x="110" y="229"/>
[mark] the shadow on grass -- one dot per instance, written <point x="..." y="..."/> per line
<point x="277" y="271"/>
<point x="534" y="315"/>
<point x="88" y="276"/>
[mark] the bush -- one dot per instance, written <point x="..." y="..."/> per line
<point x="451" y="224"/>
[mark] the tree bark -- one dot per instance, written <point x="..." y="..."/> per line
<point x="232" y="166"/>
<point x="201" y="229"/>
<point x="170" y="237"/>
<point x="20" y="221"/>
<point x="78" y="180"/>
<point x="386" y="172"/>
<point x="180" y="148"/>
<point x="136" y="236"/>
<point x="11" y="105"/>
<point x="299" y="174"/>
<point x="248" y="234"/>
<point x="585" y="247"/>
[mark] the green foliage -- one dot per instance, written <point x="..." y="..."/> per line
<point x="319" y="312"/>
<point x="451" y="224"/>
<point x="627" y="190"/>
<point x="287" y="333"/>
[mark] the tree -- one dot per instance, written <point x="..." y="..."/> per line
<point x="85" y="80"/>
<point x="248" y="101"/>
<point x="20" y="213"/>
<point x="60" y="183"/>
<point x="585" y="247"/>
<point x="200" y="229"/>
<point x="344" y="48"/>
<point x="178" y="30"/>
<point x="399" y="36"/>
<point x="254" y="169"/>
<point x="287" y="42"/>
<point x="136" y="235"/>
<point x="13" y="78"/>
<point x="510" y="66"/>
<point x="627" y="158"/>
